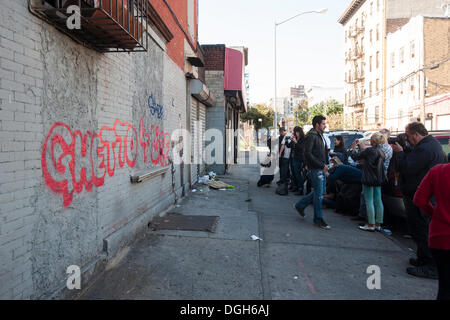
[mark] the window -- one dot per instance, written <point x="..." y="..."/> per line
<point x="411" y="82"/>
<point x="378" y="59"/>
<point x="371" y="39"/>
<point x="362" y="44"/>
<point x="400" y="87"/>
<point x="377" y="114"/>
<point x="377" y="86"/>
<point x="402" y="54"/>
<point x="370" y="64"/>
<point x="378" y="32"/>
<point x="370" y="89"/>
<point x="345" y="76"/>
<point x="350" y="98"/>
<point x="412" y="49"/>
<point x="366" y="115"/>
<point x="393" y="60"/>
<point x="378" y="5"/>
<point x="346" y="99"/>
<point x="371" y="8"/>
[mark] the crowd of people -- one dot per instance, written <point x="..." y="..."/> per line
<point x="351" y="181"/>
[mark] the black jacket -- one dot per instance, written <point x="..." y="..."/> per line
<point x="316" y="155"/>
<point x="298" y="149"/>
<point x="373" y="173"/>
<point x="414" y="165"/>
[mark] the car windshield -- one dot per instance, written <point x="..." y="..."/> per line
<point x="348" y="139"/>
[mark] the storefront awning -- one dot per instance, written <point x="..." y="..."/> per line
<point x="234" y="75"/>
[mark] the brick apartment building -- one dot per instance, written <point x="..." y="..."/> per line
<point x="366" y="26"/>
<point x="86" y="124"/>
<point x="418" y="73"/>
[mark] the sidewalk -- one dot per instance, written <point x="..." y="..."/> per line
<point x="295" y="260"/>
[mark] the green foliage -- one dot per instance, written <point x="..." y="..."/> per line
<point x="301" y="114"/>
<point x="260" y="111"/>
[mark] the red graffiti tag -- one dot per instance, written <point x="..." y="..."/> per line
<point x="91" y="156"/>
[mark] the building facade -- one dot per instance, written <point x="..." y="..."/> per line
<point x="366" y="24"/>
<point x="225" y="76"/>
<point x="87" y="135"/>
<point x="417" y="74"/>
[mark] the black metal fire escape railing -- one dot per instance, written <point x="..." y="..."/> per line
<point x="105" y="25"/>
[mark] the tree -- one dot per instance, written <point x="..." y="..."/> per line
<point x="334" y="113"/>
<point x="301" y="113"/>
<point x="259" y="111"/>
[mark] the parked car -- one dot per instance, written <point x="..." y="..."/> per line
<point x="445" y="143"/>
<point x="349" y="137"/>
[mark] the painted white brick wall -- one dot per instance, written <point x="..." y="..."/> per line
<point x="36" y="231"/>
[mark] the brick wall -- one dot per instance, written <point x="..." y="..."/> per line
<point x="47" y="80"/>
<point x="214" y="57"/>
<point x="437" y="49"/>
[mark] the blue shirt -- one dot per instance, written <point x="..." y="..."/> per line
<point x="347" y="174"/>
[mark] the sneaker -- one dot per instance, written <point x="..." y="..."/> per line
<point x="300" y="211"/>
<point x="423" y="272"/>
<point x="367" y="228"/>
<point x="322" y="224"/>
<point x="417" y="262"/>
<point x="379" y="228"/>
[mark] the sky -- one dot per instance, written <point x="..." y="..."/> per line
<point x="310" y="48"/>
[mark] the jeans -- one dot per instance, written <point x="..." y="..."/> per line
<point x="298" y="165"/>
<point x="442" y="258"/>
<point x="315" y="197"/>
<point x="284" y="170"/>
<point x="372" y="196"/>
<point x="418" y="223"/>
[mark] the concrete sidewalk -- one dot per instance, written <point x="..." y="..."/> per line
<point x="295" y="260"/>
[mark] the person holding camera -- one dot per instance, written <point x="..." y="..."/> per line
<point x="298" y="148"/>
<point x="373" y="176"/>
<point x="426" y="152"/>
<point x="285" y="154"/>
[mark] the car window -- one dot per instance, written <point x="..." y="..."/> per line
<point x="348" y="139"/>
<point x="444" y="143"/>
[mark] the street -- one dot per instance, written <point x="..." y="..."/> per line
<point x="294" y="261"/>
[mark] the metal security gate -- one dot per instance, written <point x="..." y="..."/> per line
<point x="198" y="125"/>
<point x="202" y="121"/>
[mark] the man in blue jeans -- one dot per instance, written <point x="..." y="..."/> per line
<point x="316" y="160"/>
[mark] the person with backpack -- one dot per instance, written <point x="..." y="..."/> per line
<point x="373" y="177"/>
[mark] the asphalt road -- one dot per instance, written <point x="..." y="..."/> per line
<point x="294" y="261"/>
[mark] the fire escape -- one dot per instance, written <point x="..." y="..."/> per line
<point x="355" y="58"/>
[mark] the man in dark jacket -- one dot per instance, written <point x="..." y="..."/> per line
<point x="316" y="160"/>
<point x="426" y="152"/>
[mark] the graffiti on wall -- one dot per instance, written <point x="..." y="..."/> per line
<point x="73" y="161"/>
<point x="155" y="109"/>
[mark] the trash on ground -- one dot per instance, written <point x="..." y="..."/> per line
<point x="296" y="277"/>
<point x="406" y="236"/>
<point x="216" y="184"/>
<point x="203" y="179"/>
<point x="387" y="232"/>
<point x="223" y="189"/>
<point x="194" y="190"/>
<point x="288" y="235"/>
<point x="410" y="249"/>
<point x="230" y="187"/>
<point x="254" y="238"/>
<point x="212" y="175"/>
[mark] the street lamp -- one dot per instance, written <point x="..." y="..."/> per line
<point x="275" y="120"/>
